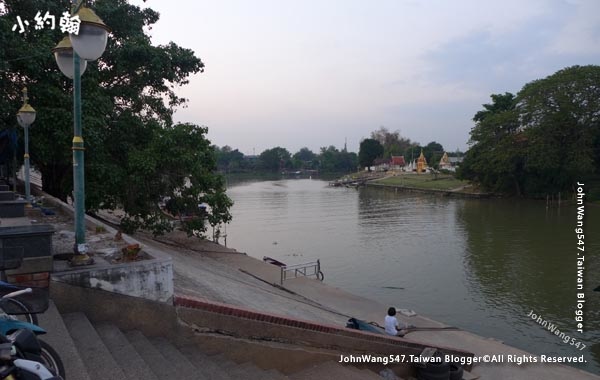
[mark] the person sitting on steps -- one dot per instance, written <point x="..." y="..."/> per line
<point x="392" y="327"/>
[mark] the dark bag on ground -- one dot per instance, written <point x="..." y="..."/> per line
<point x="357" y="324"/>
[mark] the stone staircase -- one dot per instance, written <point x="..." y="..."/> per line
<point x="10" y="206"/>
<point x="102" y="351"/>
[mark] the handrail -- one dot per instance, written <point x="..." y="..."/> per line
<point x="306" y="269"/>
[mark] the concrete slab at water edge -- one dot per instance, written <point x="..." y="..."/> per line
<point x="199" y="275"/>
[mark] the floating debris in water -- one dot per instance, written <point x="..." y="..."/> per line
<point x="392" y="287"/>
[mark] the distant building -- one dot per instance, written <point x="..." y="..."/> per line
<point x="397" y="163"/>
<point x="445" y="162"/>
<point x="421" y="163"/>
<point x="381" y="164"/>
<point x="450" y="163"/>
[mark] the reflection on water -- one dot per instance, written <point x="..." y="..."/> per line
<point x="482" y="265"/>
<point x="522" y="258"/>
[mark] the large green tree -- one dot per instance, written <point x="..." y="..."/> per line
<point x="229" y="160"/>
<point x="541" y="141"/>
<point x="333" y="160"/>
<point x="305" y="159"/>
<point x="495" y="158"/>
<point x="433" y="152"/>
<point x="275" y="159"/>
<point x="135" y="155"/>
<point x="369" y="150"/>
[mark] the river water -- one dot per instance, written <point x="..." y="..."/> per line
<point x="481" y="265"/>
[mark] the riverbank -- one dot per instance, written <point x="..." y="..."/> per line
<point x="211" y="271"/>
<point x="441" y="184"/>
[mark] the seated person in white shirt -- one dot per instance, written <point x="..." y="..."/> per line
<point x="392" y="327"/>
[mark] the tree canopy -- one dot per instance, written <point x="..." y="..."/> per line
<point x="370" y="149"/>
<point x="135" y="155"/>
<point x="275" y="159"/>
<point x="393" y="144"/>
<point x="333" y="160"/>
<point x="542" y="140"/>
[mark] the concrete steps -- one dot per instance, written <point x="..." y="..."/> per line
<point x="98" y="361"/>
<point x="102" y="351"/>
<point x="134" y="367"/>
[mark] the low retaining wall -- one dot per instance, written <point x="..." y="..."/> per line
<point x="151" y="279"/>
<point x="244" y="323"/>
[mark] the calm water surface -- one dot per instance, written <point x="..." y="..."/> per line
<point x="481" y="265"/>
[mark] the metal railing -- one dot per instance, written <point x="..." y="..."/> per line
<point x="306" y="269"/>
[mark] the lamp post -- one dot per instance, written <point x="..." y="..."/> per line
<point x="71" y="55"/>
<point x="26" y="117"/>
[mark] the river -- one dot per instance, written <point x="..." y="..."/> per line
<point x="481" y="265"/>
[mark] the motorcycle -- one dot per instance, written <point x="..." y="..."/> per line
<point x="14" y="368"/>
<point x="24" y="337"/>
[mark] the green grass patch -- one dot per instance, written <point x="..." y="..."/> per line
<point x="424" y="181"/>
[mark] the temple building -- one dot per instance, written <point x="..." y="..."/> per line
<point x="445" y="162"/>
<point x="421" y="163"/>
<point x="398" y="163"/>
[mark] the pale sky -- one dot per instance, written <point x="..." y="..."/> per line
<point x="296" y="73"/>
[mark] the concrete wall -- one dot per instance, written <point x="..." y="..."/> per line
<point x="212" y="317"/>
<point x="149" y="279"/>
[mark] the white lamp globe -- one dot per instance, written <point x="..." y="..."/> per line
<point x="26" y="116"/>
<point x="63" y="53"/>
<point x="91" y="40"/>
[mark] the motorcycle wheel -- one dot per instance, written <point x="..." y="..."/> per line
<point x="51" y="359"/>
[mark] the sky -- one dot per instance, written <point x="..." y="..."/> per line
<point x="314" y="73"/>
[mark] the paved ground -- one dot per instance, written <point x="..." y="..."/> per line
<point x="198" y="272"/>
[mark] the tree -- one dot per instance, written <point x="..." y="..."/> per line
<point x="275" y="159"/>
<point x="500" y="103"/>
<point x="370" y="149"/>
<point x="228" y="159"/>
<point x="492" y="159"/>
<point x="433" y="152"/>
<point x="560" y="119"/>
<point x="128" y="100"/>
<point x="393" y="144"/>
<point x="304" y="158"/>
<point x="541" y="141"/>
<point x="334" y="161"/>
<point x="184" y="177"/>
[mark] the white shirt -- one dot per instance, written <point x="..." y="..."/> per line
<point x="390" y="325"/>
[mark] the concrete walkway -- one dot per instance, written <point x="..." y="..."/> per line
<point x="211" y="271"/>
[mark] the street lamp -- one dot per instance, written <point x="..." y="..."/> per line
<point x="26" y="117"/>
<point x="71" y="55"/>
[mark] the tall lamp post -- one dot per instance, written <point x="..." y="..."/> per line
<point x="72" y="54"/>
<point x="26" y="117"/>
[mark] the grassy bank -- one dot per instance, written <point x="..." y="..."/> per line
<point x="423" y="181"/>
